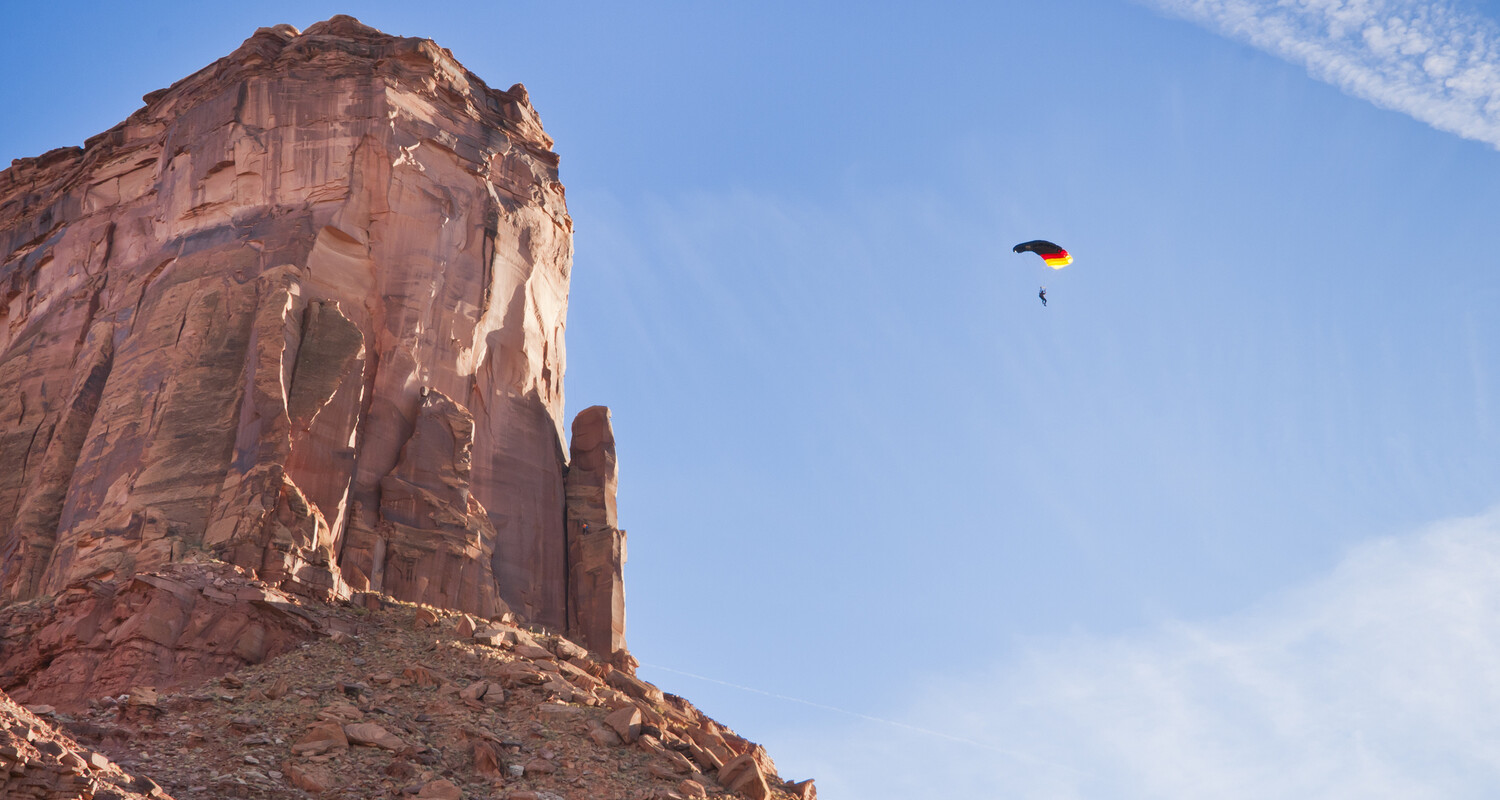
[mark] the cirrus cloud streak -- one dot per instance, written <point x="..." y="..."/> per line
<point x="1431" y="61"/>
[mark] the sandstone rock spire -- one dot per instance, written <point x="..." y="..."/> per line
<point x="596" y="545"/>
<point x="304" y="311"/>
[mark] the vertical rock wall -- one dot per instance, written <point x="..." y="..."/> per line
<point x="303" y="311"/>
<point x="596" y="545"/>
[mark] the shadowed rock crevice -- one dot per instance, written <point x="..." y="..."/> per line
<point x="27" y="557"/>
<point x="438" y="542"/>
<point x="325" y="405"/>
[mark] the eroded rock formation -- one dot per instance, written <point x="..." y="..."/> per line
<point x="302" y="311"/>
<point x="161" y="629"/>
<point x="596" y="545"/>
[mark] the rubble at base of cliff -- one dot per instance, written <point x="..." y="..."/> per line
<point x="396" y="700"/>
<point x="38" y="762"/>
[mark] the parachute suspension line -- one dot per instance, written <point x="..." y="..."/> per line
<point x="925" y="731"/>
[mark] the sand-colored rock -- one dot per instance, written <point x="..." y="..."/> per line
<point x="626" y="722"/>
<point x="742" y="775"/>
<point x="370" y="734"/>
<point x="321" y="737"/>
<point x="802" y="790"/>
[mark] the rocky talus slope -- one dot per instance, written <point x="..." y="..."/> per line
<point x="38" y="762"/>
<point x="384" y="699"/>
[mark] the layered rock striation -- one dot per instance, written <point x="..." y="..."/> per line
<point x="167" y="628"/>
<point x="303" y="312"/>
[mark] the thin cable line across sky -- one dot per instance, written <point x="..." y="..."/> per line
<point x="916" y="729"/>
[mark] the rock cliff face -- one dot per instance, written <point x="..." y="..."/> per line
<point x="303" y="312"/>
<point x="596" y="545"/>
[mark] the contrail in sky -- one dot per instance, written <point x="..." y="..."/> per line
<point x="1432" y="61"/>
<point x="926" y="731"/>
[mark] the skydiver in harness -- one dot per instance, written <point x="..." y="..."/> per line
<point x="1043" y="294"/>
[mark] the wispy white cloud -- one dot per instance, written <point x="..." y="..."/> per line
<point x="1378" y="680"/>
<point x="1432" y="61"/>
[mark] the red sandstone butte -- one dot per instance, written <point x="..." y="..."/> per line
<point x="304" y="312"/>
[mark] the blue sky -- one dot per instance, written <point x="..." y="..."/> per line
<point x="1216" y="522"/>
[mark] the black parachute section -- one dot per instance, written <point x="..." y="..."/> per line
<point x="1055" y="256"/>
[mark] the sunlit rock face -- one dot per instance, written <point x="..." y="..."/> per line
<point x="596" y="545"/>
<point x="303" y="311"/>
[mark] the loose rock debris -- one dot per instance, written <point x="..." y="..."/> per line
<point x="416" y="702"/>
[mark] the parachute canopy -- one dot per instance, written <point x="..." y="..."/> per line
<point x="1055" y="256"/>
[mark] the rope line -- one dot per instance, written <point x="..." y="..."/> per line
<point x="893" y="723"/>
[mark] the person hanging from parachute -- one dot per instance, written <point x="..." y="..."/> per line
<point x="1052" y="255"/>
